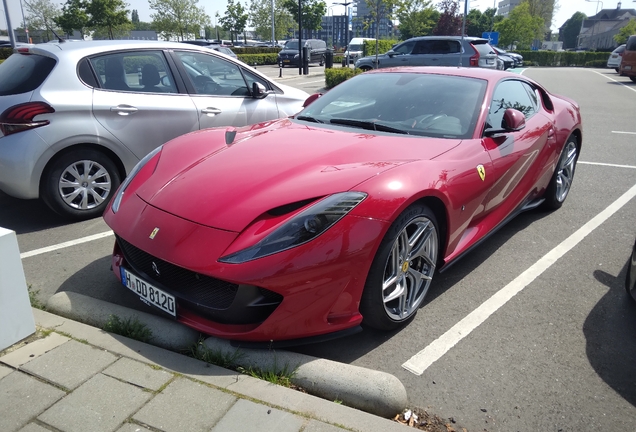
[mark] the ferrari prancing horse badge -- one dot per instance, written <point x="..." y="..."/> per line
<point x="482" y="172"/>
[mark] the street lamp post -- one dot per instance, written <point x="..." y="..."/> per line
<point x="594" y="25"/>
<point x="330" y="10"/>
<point x="346" y="5"/>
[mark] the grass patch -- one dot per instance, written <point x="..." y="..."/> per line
<point x="281" y="376"/>
<point x="130" y="327"/>
<point x="215" y="356"/>
<point x="33" y="298"/>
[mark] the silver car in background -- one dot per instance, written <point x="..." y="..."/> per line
<point x="77" y="117"/>
<point x="435" y="51"/>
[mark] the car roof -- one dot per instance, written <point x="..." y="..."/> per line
<point x="84" y="48"/>
<point x="468" y="38"/>
<point x="472" y="72"/>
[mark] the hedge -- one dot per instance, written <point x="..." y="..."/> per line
<point x="258" y="59"/>
<point x="384" y="45"/>
<point x="254" y="50"/>
<point x="561" y="58"/>
<point x="5" y="52"/>
<point x="333" y="77"/>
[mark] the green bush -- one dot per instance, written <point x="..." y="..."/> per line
<point x="596" y="63"/>
<point x="383" y="46"/>
<point x="255" y="50"/>
<point x="333" y="77"/>
<point x="258" y="59"/>
<point x="5" y="53"/>
<point x="561" y="58"/>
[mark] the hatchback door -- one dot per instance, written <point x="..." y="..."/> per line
<point x="138" y="100"/>
<point x="487" y="55"/>
<point x="222" y="91"/>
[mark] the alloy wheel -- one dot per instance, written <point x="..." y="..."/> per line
<point x="84" y="184"/>
<point x="565" y="171"/>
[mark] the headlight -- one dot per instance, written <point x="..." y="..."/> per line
<point x="296" y="56"/>
<point x="131" y="176"/>
<point x="301" y="228"/>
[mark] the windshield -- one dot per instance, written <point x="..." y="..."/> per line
<point x="291" y="45"/>
<point x="407" y="103"/>
<point x="355" y="47"/>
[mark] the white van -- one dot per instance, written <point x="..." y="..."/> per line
<point x="355" y="49"/>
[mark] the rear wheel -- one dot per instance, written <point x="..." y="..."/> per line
<point x="402" y="270"/>
<point x="79" y="184"/>
<point x="633" y="78"/>
<point x="365" y="68"/>
<point x="561" y="181"/>
<point x="322" y="60"/>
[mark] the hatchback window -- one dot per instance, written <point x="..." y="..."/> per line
<point x="511" y="94"/>
<point x="212" y="75"/>
<point x="22" y="73"/>
<point x="141" y="71"/>
<point x="631" y="43"/>
<point x="483" y="48"/>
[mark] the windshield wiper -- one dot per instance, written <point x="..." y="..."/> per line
<point x="309" y="119"/>
<point x="369" y="125"/>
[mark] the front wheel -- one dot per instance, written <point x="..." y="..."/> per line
<point x="633" y="78"/>
<point x="80" y="183"/>
<point x="365" y="68"/>
<point x="561" y="181"/>
<point x="402" y="270"/>
<point x="322" y="61"/>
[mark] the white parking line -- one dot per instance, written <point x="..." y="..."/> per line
<point x="425" y="358"/>
<point x="616" y="81"/>
<point x="65" y="244"/>
<point x="622" y="132"/>
<point x="607" y="164"/>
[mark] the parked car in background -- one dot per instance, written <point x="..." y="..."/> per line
<point x="342" y="214"/>
<point x="289" y="56"/>
<point x="76" y="117"/>
<point x="628" y="63"/>
<point x="212" y="45"/>
<point x="435" y="51"/>
<point x="518" y="58"/>
<point x="508" y="60"/>
<point x="355" y="50"/>
<point x="615" y="58"/>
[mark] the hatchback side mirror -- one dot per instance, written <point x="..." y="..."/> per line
<point x="259" y="91"/>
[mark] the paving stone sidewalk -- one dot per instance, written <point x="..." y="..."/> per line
<point x="80" y="378"/>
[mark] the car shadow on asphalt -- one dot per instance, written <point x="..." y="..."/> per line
<point x="610" y="335"/>
<point x="350" y="348"/>
<point x="26" y="216"/>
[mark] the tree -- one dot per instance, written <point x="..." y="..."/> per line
<point x="450" y="20"/>
<point x="416" y="18"/>
<point x="42" y="15"/>
<point x="134" y="17"/>
<point x="543" y="9"/>
<point x="260" y="17"/>
<point x="379" y="10"/>
<point x="478" y="22"/>
<point x="520" y="28"/>
<point x="626" y="32"/>
<point x="312" y="12"/>
<point x="73" y="17"/>
<point x="235" y="19"/>
<point x="108" y="16"/>
<point x="571" y="30"/>
<point x="178" y="18"/>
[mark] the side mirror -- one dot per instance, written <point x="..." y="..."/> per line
<point x="391" y="53"/>
<point x="259" y="91"/>
<point x="310" y="99"/>
<point x="513" y="121"/>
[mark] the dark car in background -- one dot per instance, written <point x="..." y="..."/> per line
<point x="630" y="279"/>
<point x="289" y="55"/>
<point x="628" y="64"/>
<point x="435" y="51"/>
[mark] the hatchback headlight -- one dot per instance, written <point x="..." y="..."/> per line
<point x="131" y="176"/>
<point x="301" y="228"/>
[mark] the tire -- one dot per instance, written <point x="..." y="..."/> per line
<point x="633" y="78"/>
<point x="79" y="184"/>
<point x="561" y="181"/>
<point x="396" y="287"/>
<point x="322" y="61"/>
<point x="365" y="68"/>
<point x="616" y="69"/>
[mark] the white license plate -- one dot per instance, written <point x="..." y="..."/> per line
<point x="490" y="61"/>
<point x="627" y="67"/>
<point x="148" y="292"/>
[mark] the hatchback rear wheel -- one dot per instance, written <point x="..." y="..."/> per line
<point x="79" y="184"/>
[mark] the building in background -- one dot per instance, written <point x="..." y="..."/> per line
<point x="598" y="31"/>
<point x="506" y="6"/>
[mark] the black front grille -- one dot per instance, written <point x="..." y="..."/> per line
<point x="191" y="286"/>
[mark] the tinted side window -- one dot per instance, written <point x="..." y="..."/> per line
<point x="511" y="94"/>
<point x="141" y="71"/>
<point x="405" y="48"/>
<point x="631" y="43"/>
<point x="22" y="73"/>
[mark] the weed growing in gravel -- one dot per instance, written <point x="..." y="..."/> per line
<point x="275" y="375"/>
<point x="215" y="356"/>
<point x="33" y="298"/>
<point x="130" y="327"/>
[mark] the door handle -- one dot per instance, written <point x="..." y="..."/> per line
<point x="211" y="111"/>
<point x="124" y="110"/>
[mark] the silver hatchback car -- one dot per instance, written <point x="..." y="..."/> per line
<point x="435" y="51"/>
<point x="77" y="117"/>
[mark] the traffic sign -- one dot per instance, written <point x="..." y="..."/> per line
<point x="493" y="37"/>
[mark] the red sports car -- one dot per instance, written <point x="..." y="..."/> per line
<point x="307" y="227"/>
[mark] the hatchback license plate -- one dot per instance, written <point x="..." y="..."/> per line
<point x="148" y="292"/>
<point x="627" y="67"/>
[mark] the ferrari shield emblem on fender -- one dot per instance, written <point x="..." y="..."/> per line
<point x="480" y="170"/>
<point x="156" y="230"/>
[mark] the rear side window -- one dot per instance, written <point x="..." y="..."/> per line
<point x="631" y="43"/>
<point x="22" y="73"/>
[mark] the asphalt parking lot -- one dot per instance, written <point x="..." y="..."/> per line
<point x="531" y="332"/>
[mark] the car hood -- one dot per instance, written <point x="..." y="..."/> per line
<point x="200" y="178"/>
